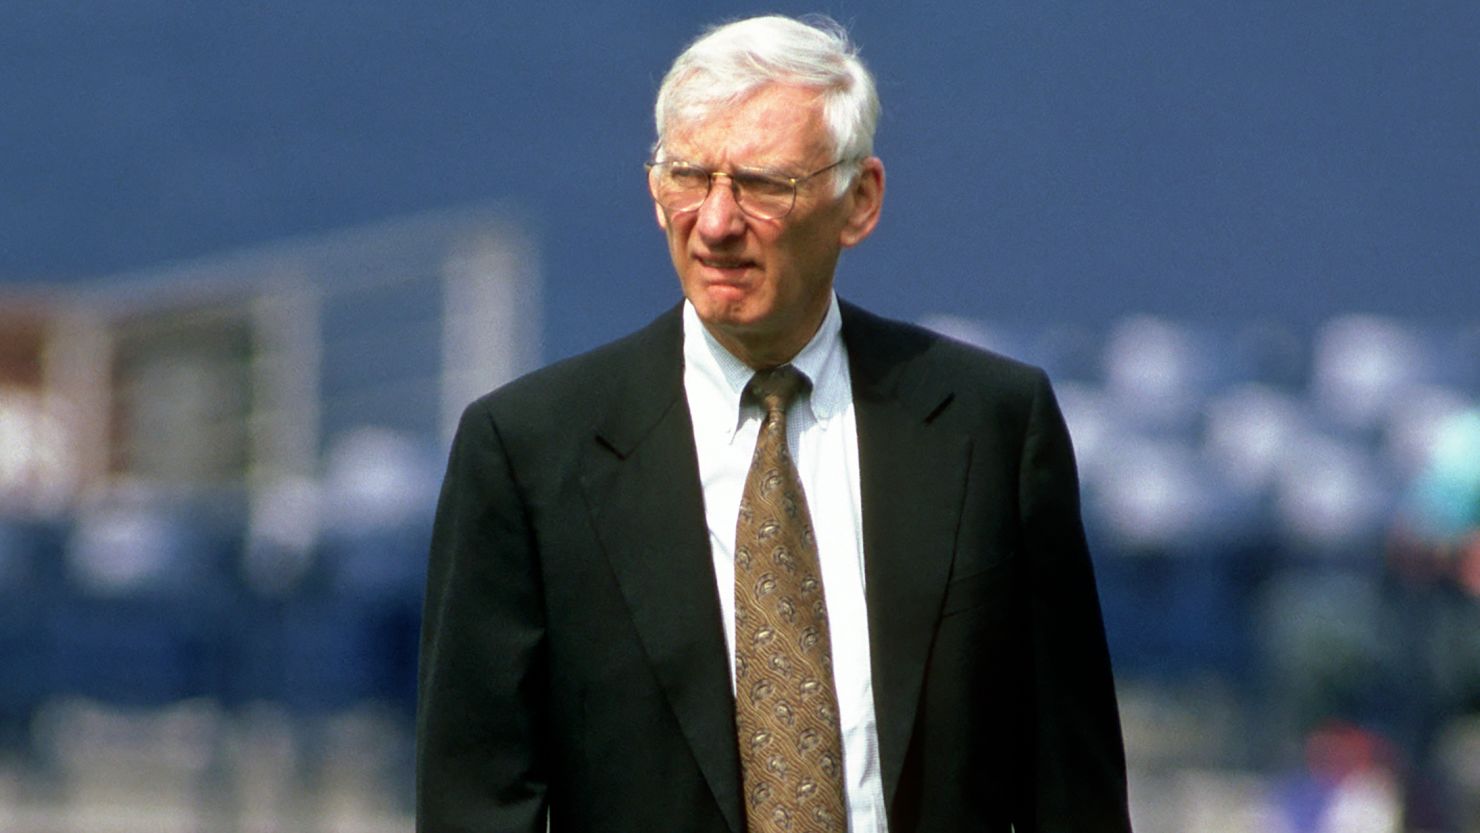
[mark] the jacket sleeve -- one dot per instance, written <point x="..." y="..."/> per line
<point x="1073" y="741"/>
<point x="481" y="713"/>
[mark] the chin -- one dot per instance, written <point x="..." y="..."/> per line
<point x="727" y="317"/>
<point x="720" y="304"/>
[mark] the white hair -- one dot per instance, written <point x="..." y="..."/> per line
<point x="732" y="61"/>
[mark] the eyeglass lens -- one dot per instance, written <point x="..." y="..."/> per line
<point x="681" y="187"/>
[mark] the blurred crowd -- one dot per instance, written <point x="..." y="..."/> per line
<point x="1286" y="530"/>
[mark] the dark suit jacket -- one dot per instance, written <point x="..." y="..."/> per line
<point x="573" y="655"/>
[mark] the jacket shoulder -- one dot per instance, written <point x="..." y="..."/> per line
<point x="575" y="391"/>
<point x="916" y="358"/>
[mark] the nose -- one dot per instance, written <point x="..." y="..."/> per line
<point x="719" y="215"/>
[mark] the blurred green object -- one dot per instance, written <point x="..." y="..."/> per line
<point x="1447" y="495"/>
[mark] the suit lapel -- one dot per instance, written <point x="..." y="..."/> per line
<point x="913" y="477"/>
<point x="641" y="483"/>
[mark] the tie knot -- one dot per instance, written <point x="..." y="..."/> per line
<point x="776" y="388"/>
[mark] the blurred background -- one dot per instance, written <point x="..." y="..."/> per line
<point x="254" y="259"/>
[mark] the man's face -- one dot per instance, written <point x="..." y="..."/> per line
<point x="761" y="287"/>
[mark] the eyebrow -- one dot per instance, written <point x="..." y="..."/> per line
<point x="739" y="169"/>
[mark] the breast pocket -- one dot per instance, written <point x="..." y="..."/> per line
<point x="984" y="588"/>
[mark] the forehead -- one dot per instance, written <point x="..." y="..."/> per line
<point x="776" y="126"/>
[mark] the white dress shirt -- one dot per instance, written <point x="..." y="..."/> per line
<point x="822" y="433"/>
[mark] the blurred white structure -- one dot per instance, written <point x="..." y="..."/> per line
<point x="215" y="482"/>
<point x="243" y="368"/>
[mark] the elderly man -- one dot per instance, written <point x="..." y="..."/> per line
<point x="771" y="563"/>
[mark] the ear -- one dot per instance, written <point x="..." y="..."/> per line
<point x="662" y="217"/>
<point x="865" y="198"/>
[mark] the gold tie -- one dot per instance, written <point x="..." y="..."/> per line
<point x="786" y="707"/>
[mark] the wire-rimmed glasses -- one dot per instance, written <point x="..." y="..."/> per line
<point x="680" y="186"/>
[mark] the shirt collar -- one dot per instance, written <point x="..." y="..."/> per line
<point x="719" y="378"/>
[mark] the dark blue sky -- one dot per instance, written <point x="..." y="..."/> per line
<point x="1046" y="160"/>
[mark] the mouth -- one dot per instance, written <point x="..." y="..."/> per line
<point x="726" y="264"/>
<point x="725" y="278"/>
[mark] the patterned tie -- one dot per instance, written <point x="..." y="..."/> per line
<point x="786" y="708"/>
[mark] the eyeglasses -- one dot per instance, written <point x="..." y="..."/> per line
<point x="682" y="186"/>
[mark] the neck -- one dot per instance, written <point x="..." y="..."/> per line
<point x="765" y="351"/>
